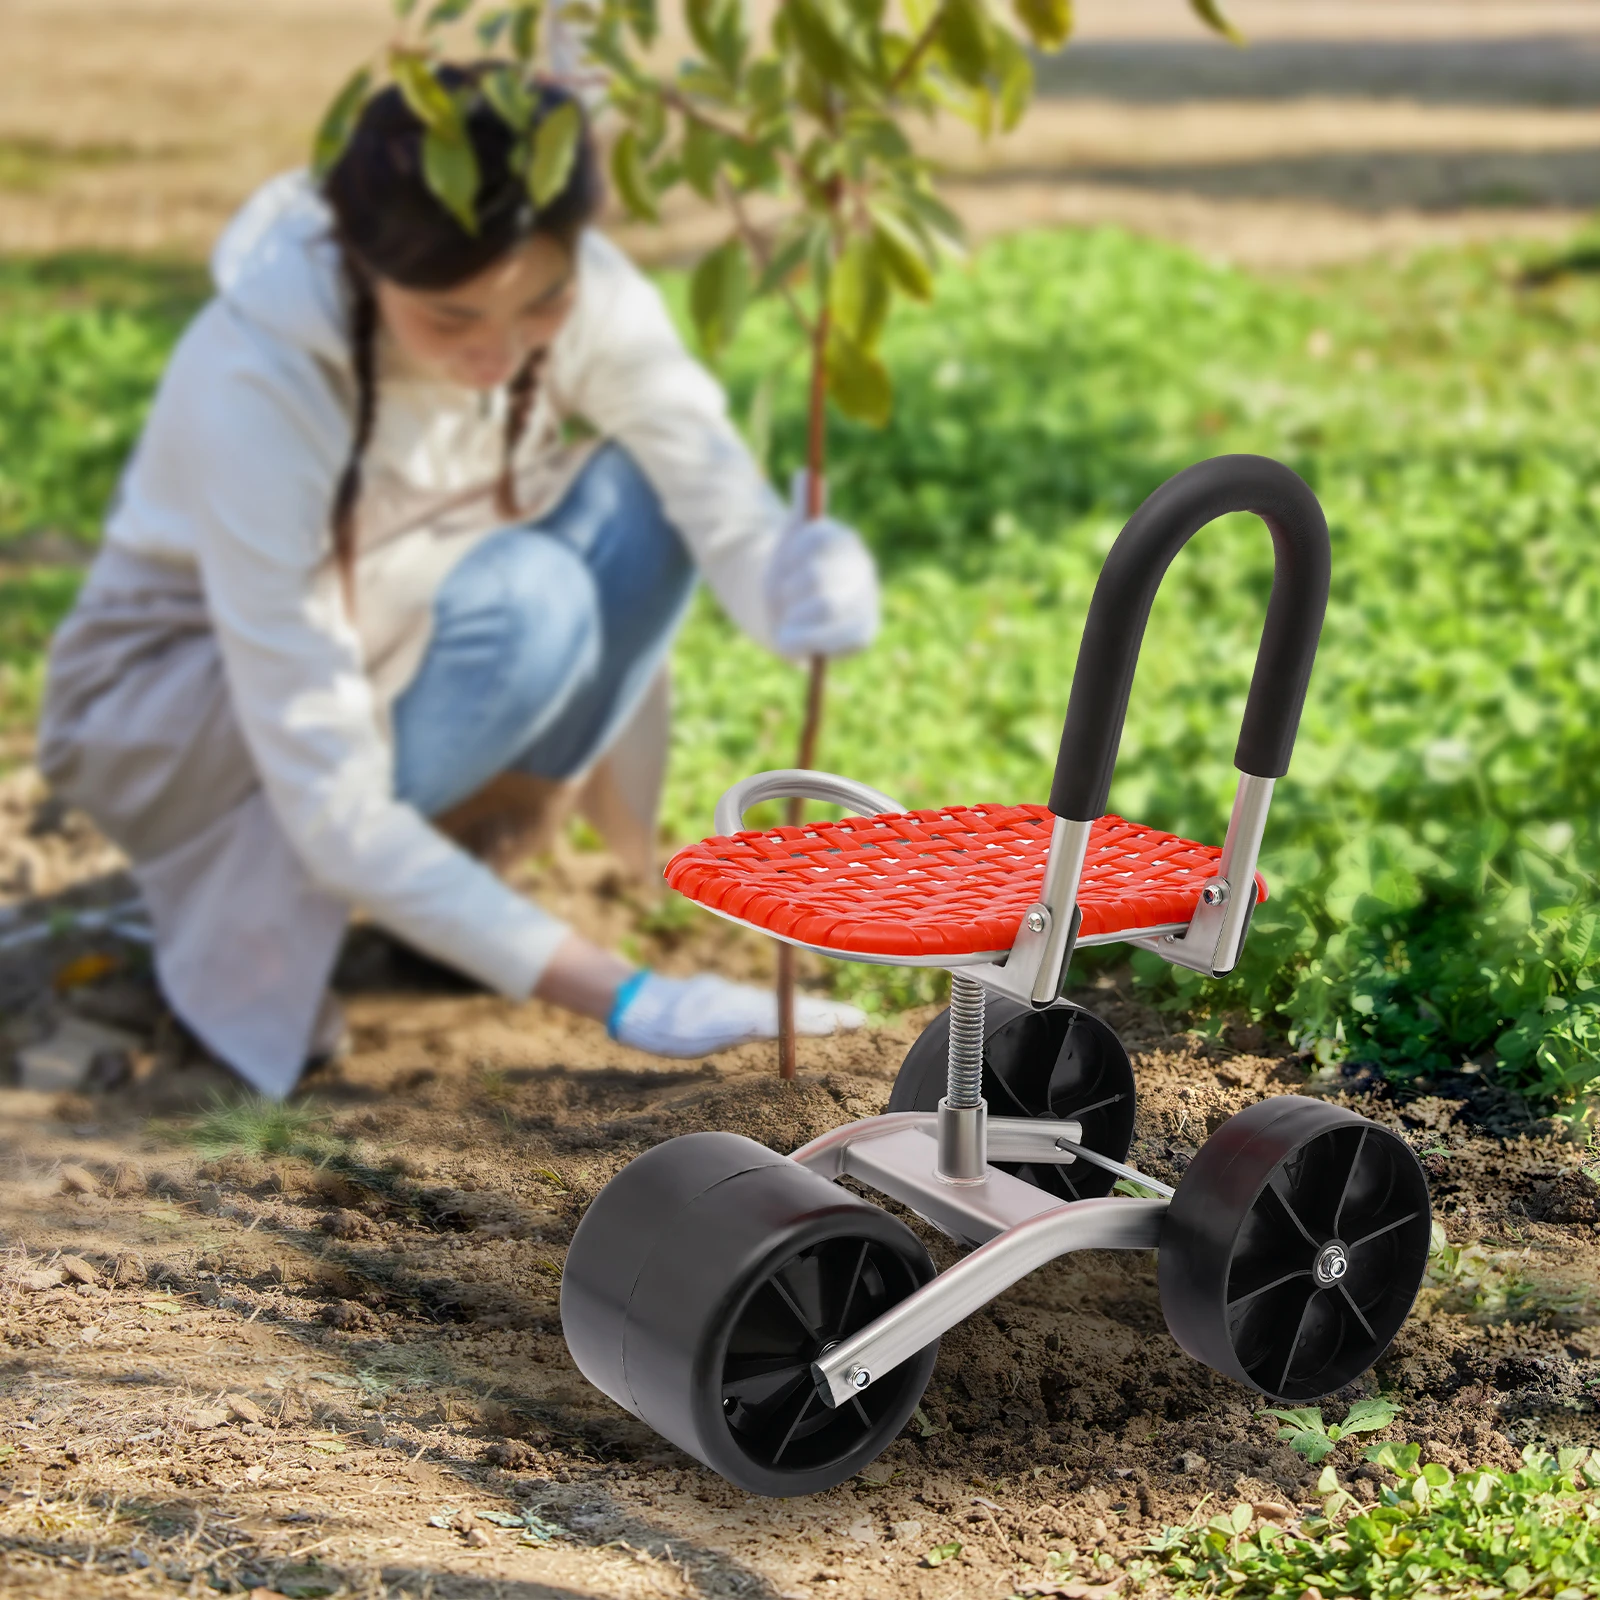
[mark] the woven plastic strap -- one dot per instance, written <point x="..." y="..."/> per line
<point x="937" y="883"/>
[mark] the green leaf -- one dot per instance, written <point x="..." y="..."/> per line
<point x="820" y="46"/>
<point x="446" y="12"/>
<point x="786" y="260"/>
<point x="942" y="1553"/>
<point x="433" y="104"/>
<point x="631" y="180"/>
<point x="702" y="155"/>
<point x="967" y="35"/>
<point x="1016" y="81"/>
<point x="902" y="254"/>
<point x="860" y="293"/>
<point x="509" y="94"/>
<point x="1328" y="1482"/>
<point x="525" y="29"/>
<point x="1210" y="13"/>
<point x="642" y="20"/>
<point x="1369" y="1416"/>
<point x="450" y="169"/>
<point x="1241" y="1517"/>
<point x="339" y="121"/>
<point x="858" y="382"/>
<point x="404" y="8"/>
<point x="490" y="27"/>
<point x="717" y="27"/>
<point x="1048" y="22"/>
<point x="719" y="291"/>
<point x="555" y="147"/>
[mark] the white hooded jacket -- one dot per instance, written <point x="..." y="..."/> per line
<point x="250" y="866"/>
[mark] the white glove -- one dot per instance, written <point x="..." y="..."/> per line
<point x="822" y="586"/>
<point x="696" y="1016"/>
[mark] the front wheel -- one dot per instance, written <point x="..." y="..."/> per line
<point x="1294" y="1247"/>
<point x="706" y="1278"/>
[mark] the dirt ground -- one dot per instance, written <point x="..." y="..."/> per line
<point x="327" y="1368"/>
<point x="1347" y="128"/>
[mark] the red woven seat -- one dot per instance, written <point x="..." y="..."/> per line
<point x="925" y="884"/>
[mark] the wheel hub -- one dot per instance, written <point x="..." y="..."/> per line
<point x="1332" y="1262"/>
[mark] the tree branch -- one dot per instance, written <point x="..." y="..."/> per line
<point x="920" y="48"/>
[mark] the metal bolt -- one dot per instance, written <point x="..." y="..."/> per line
<point x="1215" y="893"/>
<point x="1035" y="922"/>
<point x="858" y="1377"/>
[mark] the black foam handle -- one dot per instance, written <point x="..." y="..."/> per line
<point x="1133" y="571"/>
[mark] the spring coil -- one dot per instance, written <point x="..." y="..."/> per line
<point x="964" y="1086"/>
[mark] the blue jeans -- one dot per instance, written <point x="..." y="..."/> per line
<point x="544" y="639"/>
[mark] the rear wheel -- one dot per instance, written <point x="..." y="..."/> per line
<point x="706" y="1278"/>
<point x="1294" y="1247"/>
<point x="1063" y="1063"/>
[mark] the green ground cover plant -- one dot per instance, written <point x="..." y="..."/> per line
<point x="1533" y="1532"/>
<point x="1433" y="855"/>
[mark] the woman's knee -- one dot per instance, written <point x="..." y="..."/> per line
<point x="532" y="602"/>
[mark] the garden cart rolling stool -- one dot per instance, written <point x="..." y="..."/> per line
<point x="781" y="1328"/>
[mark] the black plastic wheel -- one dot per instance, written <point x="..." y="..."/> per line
<point x="705" y="1279"/>
<point x="1294" y="1247"/>
<point x="1063" y="1063"/>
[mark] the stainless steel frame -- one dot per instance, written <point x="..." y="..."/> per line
<point x="1015" y="1226"/>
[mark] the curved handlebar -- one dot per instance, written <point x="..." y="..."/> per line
<point x="1120" y="609"/>
<point x="797" y="783"/>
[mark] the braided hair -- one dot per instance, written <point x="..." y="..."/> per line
<point x="389" y="224"/>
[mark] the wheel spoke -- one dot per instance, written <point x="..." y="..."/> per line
<point x="1349" y="1180"/>
<point x="861" y="1410"/>
<point x="1350" y="1300"/>
<point x="799" y="1417"/>
<point x="1075" y="1112"/>
<point x="1294" y="1343"/>
<point x="841" y="1326"/>
<point x="765" y="1387"/>
<point x="782" y="1291"/>
<point x="1388" y="1227"/>
<point x="1288" y="1277"/>
<point x="1278" y="1184"/>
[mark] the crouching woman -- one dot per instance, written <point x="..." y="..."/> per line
<point x="364" y="597"/>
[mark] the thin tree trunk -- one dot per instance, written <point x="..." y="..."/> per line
<point x="816" y="501"/>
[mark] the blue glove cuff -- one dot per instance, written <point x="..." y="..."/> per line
<point x="626" y="990"/>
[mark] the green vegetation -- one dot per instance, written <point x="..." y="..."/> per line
<point x="1310" y="1436"/>
<point x="1433" y="853"/>
<point x="1533" y="1532"/>
<point x="252" y="1125"/>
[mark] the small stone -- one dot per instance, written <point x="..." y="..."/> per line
<point x="42" y="1278"/>
<point x="78" y="1180"/>
<point x="905" y="1532"/>
<point x="78" y="1270"/>
<point x="253" y="1430"/>
<point x="463" y="1522"/>
<point x="1190" y="1462"/>
<point x="127" y="1270"/>
<point x="347" y="1315"/>
<point x="345" y="1224"/>
<point x="242" y="1408"/>
<point x="207" y="1417"/>
<point x="1122" y="1472"/>
<point x="1271" y="1510"/>
<point x="477" y="1539"/>
<point x="127" y="1181"/>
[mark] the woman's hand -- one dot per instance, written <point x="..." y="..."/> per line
<point x="688" y="1017"/>
<point x="680" y="1017"/>
<point x="822" y="587"/>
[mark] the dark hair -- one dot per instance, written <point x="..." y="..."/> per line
<point x="389" y="224"/>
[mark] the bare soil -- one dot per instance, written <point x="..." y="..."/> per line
<point x="324" y="1370"/>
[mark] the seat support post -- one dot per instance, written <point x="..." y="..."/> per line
<point x="963" y="1115"/>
